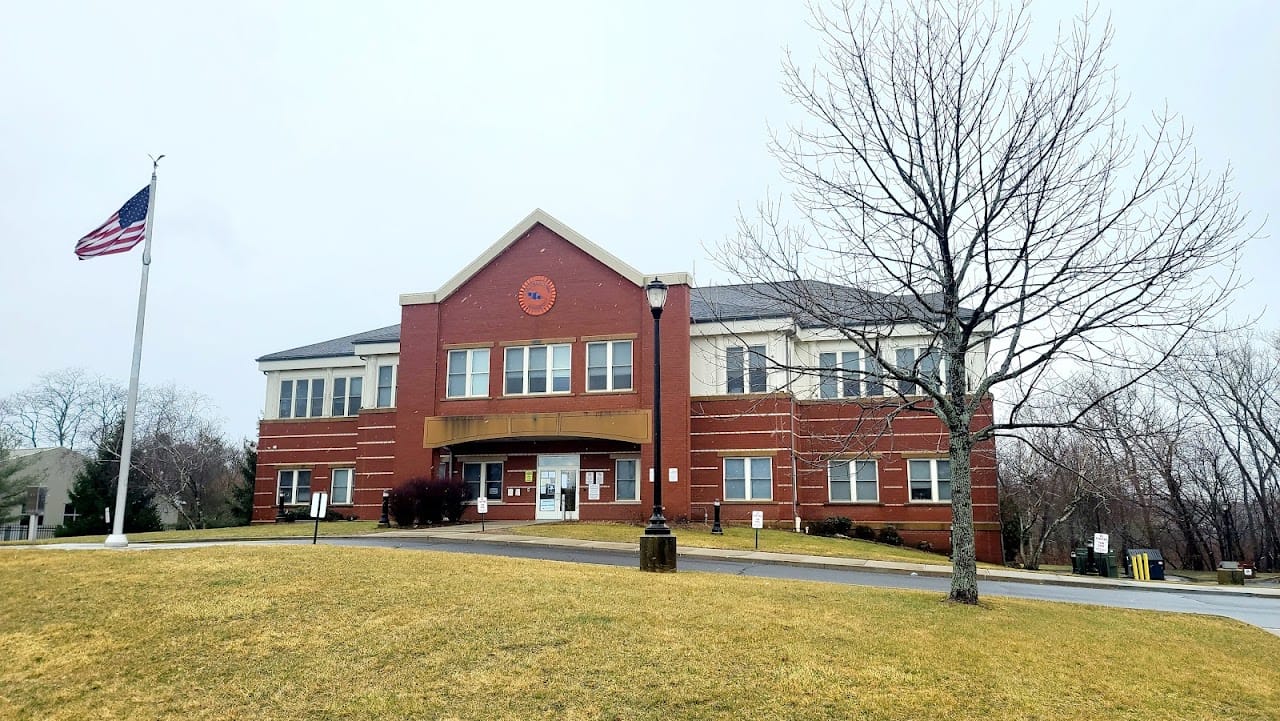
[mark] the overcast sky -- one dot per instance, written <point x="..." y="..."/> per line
<point x="324" y="158"/>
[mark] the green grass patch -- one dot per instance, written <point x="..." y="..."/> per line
<point x="740" y="538"/>
<point x="298" y="529"/>
<point x="326" y="632"/>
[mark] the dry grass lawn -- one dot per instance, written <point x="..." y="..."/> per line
<point x="326" y="632"/>
<point x="742" y="539"/>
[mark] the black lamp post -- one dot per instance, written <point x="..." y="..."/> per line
<point x="384" y="521"/>
<point x="657" y="545"/>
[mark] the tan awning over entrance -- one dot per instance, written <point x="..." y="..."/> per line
<point x="628" y="426"/>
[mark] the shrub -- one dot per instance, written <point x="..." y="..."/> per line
<point x="924" y="546"/>
<point x="402" y="504"/>
<point x="889" y="535"/>
<point x="834" y="526"/>
<point x="426" y="501"/>
<point x="864" y="533"/>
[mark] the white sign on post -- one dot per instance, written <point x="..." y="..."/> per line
<point x="757" y="519"/>
<point x="482" y="505"/>
<point x="1101" y="542"/>
<point x="319" y="504"/>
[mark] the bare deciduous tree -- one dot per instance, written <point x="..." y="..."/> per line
<point x="997" y="203"/>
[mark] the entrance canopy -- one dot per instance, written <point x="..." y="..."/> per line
<point x="633" y="426"/>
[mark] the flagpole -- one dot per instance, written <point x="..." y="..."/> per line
<point x="117" y="539"/>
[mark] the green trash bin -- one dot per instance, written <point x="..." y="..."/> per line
<point x="1107" y="565"/>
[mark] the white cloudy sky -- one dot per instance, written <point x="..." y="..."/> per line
<point x="325" y="157"/>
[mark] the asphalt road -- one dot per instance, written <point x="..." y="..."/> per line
<point x="1262" y="612"/>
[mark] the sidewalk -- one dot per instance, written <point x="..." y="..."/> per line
<point x="494" y="533"/>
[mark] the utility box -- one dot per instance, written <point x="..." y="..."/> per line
<point x="1145" y="564"/>
<point x="1230" y="574"/>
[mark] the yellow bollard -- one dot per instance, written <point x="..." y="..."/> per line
<point x="1143" y="564"/>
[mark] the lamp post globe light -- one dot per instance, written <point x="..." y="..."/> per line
<point x="657" y="545"/>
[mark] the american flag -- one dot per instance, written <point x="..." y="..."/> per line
<point x="123" y="230"/>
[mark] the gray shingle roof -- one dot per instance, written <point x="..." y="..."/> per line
<point x="717" y="303"/>
<point x="337" y="347"/>
<point x="814" y="304"/>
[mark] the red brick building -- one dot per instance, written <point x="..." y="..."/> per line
<point x="529" y="376"/>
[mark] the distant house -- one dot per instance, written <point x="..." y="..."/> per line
<point x="54" y="470"/>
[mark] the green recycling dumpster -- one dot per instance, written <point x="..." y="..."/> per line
<point x="1107" y="565"/>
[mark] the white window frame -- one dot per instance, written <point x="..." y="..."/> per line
<point x="311" y="408"/>
<point x="934" y="489"/>
<point x="470" y="373"/>
<point x="635" y="479"/>
<point x="293" y="473"/>
<point x="852" y="465"/>
<point x="755" y="365"/>
<point x="551" y="369"/>
<point x="747" y="478"/>
<point x="334" y="499"/>
<point x="484" y="479"/>
<point x="377" y="385"/>
<point x="347" y="382"/>
<point x="610" y="366"/>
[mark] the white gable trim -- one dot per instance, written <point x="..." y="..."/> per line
<point x="538" y="216"/>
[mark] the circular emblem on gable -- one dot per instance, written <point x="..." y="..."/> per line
<point x="537" y="295"/>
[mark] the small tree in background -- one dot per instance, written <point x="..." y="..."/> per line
<point x="242" y="493"/>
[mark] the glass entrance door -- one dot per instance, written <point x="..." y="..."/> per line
<point x="557" y="488"/>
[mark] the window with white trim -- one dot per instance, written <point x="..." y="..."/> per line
<point x="609" y="366"/>
<point x="347" y="391"/>
<point x="852" y="481"/>
<point x="748" y="479"/>
<point x="483" y="477"/>
<point x="341" y="485"/>
<point x="924" y="362"/>
<point x="294" y="486"/>
<point x="302" y="398"/>
<point x="624" y="480"/>
<point x="930" y="479"/>
<point x="840" y="375"/>
<point x="536" y="369"/>
<point x="386" y="397"/>
<point x="745" y="369"/>
<point x="468" y="373"/>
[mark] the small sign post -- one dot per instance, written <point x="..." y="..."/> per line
<point x="482" y="507"/>
<point x="1101" y="542"/>
<point x="757" y="522"/>
<point x="319" y="507"/>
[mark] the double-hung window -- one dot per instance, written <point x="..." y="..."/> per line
<point x="748" y="479"/>
<point x="341" y="486"/>
<point x="840" y="374"/>
<point x="386" y="386"/>
<point x="930" y="479"/>
<point x="745" y="369"/>
<point x="537" y="369"/>
<point x="924" y="362"/>
<point x="346" y="395"/>
<point x="302" y="398"/>
<point x="294" y="486"/>
<point x="624" y="481"/>
<point x="468" y="373"/>
<point x="483" y="478"/>
<point x="852" y="481"/>
<point x="609" y="366"/>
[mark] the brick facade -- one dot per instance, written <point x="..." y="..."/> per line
<point x="595" y="301"/>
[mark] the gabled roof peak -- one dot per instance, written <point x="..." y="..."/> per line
<point x="545" y="219"/>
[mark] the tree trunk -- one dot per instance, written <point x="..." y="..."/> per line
<point x="964" y="560"/>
